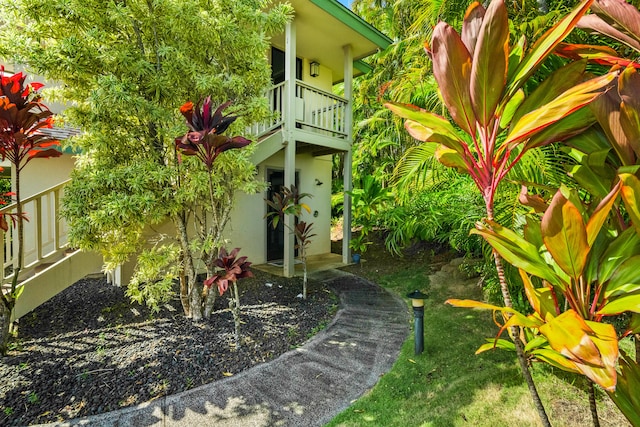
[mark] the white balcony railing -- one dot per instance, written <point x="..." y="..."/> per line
<point x="45" y="232"/>
<point x="315" y="111"/>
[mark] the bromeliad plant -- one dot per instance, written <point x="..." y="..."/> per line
<point x="205" y="141"/>
<point x="232" y="270"/>
<point x="495" y="123"/>
<point x="22" y="118"/>
<point x="587" y="271"/>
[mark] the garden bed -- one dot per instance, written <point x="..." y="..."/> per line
<point x="89" y="350"/>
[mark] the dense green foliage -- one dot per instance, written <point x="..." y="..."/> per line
<point x="125" y="68"/>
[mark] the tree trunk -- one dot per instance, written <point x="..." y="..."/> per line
<point x="234" y="305"/>
<point x="210" y="300"/>
<point x="188" y="293"/>
<point x="636" y="338"/>
<point x="5" y="322"/>
<point x="592" y="404"/>
<point x="304" y="279"/>
<point x="515" y="333"/>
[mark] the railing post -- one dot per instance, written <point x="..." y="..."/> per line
<point x="56" y="219"/>
<point x="38" y="233"/>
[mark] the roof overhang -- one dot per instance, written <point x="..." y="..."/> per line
<point x="324" y="27"/>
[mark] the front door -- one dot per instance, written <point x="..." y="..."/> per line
<point x="275" y="237"/>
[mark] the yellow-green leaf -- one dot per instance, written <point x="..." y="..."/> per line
<point x="565" y="236"/>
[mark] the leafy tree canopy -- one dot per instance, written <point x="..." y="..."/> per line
<point x="125" y="68"/>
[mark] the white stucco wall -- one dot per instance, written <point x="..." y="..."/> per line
<point x="247" y="228"/>
<point x="41" y="174"/>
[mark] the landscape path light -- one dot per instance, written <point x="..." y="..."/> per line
<point x="417" y="302"/>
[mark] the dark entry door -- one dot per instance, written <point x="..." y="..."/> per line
<point x="275" y="237"/>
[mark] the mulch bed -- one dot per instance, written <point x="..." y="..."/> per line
<point x="90" y="350"/>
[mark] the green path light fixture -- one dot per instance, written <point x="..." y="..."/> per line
<point x="417" y="302"/>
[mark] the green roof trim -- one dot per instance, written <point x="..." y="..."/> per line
<point x="347" y="17"/>
<point x="362" y="66"/>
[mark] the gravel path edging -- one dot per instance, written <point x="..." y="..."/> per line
<point x="307" y="386"/>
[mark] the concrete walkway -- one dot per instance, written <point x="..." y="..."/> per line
<point x="304" y="387"/>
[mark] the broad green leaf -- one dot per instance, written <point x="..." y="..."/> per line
<point x="537" y="342"/>
<point x="541" y="299"/>
<point x="591" y="181"/>
<point x="600" y="215"/>
<point x="626" y="396"/>
<point x="517" y="251"/>
<point x="631" y="197"/>
<point x="468" y="303"/>
<point x="489" y="66"/>
<point x="553" y="86"/>
<point x="626" y="278"/>
<point x="451" y="158"/>
<point x="510" y="109"/>
<point x="452" y="69"/>
<point x="564" y="235"/>
<point x="569" y="335"/>
<point x="442" y="131"/>
<point x="620" y="249"/>
<point x="568" y="127"/>
<point x="620" y="305"/>
<point x="563" y="105"/>
<point x="496" y="343"/>
<point x="471" y="25"/>
<point x="556" y="359"/>
<point x="544" y="46"/>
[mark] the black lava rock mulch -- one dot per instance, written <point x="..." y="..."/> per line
<point x="90" y="350"/>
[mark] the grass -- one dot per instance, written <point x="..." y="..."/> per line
<point x="447" y="385"/>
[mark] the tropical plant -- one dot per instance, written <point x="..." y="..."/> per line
<point x="288" y="201"/>
<point x="205" y="141"/>
<point x="23" y="117"/>
<point x="232" y="270"/>
<point x="124" y="69"/>
<point x="303" y="233"/>
<point x="588" y="272"/>
<point x="481" y="80"/>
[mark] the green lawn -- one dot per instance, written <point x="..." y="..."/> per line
<point x="447" y="385"/>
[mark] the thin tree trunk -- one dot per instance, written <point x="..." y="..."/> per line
<point x="515" y="333"/>
<point x="210" y="300"/>
<point x="234" y="305"/>
<point x="592" y="404"/>
<point x="5" y="322"/>
<point x="192" y="296"/>
<point x="636" y="338"/>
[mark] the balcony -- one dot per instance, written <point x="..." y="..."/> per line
<point x="316" y="111"/>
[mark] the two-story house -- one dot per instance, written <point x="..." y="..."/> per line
<point x="325" y="44"/>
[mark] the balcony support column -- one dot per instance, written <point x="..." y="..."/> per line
<point x="289" y="141"/>
<point x="348" y="158"/>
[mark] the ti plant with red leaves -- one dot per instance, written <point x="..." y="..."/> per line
<point x="303" y="233"/>
<point x="231" y="270"/>
<point x="495" y="123"/>
<point x="22" y="119"/>
<point x="205" y="141"/>
<point x="288" y="202"/>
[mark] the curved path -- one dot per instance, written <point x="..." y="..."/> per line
<point x="307" y="386"/>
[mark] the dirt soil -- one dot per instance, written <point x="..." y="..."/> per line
<point x="90" y="350"/>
